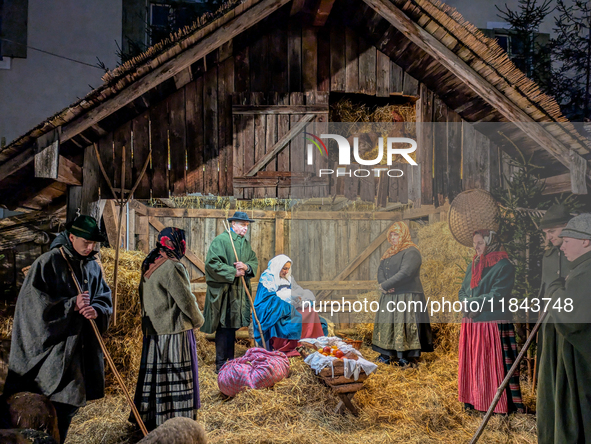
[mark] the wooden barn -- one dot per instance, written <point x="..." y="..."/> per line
<point x="219" y="107"/>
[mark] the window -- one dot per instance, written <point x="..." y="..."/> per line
<point x="13" y="32"/>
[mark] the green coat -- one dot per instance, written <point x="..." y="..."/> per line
<point x="554" y="265"/>
<point x="496" y="284"/>
<point x="226" y="301"/>
<point x="571" y="415"/>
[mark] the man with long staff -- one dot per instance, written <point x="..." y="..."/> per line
<point x="227" y="305"/>
<point x="54" y="350"/>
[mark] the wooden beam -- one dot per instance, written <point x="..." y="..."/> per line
<point x="557" y="184"/>
<point x="357" y="261"/>
<point x="69" y="172"/>
<point x="578" y="170"/>
<point x="16" y="163"/>
<point x="297" y="6"/>
<point x="271" y="215"/>
<point x="47" y="161"/>
<point x="277" y="181"/>
<point x="173" y="66"/>
<point x="279" y="235"/>
<point x="198" y="287"/>
<point x="280" y="109"/>
<point x="193" y="258"/>
<point x="322" y="12"/>
<point x="473" y="79"/>
<point x="139" y="207"/>
<point x="262" y="163"/>
<point x="110" y="218"/>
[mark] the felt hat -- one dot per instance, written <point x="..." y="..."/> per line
<point x="578" y="227"/>
<point x="240" y="216"/>
<point x="556" y="216"/>
<point x="87" y="228"/>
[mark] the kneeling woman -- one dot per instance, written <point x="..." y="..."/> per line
<point x="168" y="383"/>
<point x="487" y="338"/>
<point x="401" y="336"/>
<point x="278" y="304"/>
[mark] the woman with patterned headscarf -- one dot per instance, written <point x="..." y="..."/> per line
<point x="400" y="335"/>
<point x="168" y="383"/>
<point x="487" y="338"/>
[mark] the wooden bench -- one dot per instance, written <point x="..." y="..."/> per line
<point x="344" y="388"/>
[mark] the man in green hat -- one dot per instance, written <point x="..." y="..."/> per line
<point x="565" y="415"/>
<point x="54" y="350"/>
<point x="227" y="307"/>
<point x="554" y="266"/>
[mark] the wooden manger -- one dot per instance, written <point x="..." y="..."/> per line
<point x="344" y="388"/>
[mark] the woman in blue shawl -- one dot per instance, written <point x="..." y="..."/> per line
<point x="278" y="305"/>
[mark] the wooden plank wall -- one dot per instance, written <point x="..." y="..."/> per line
<point x="192" y="131"/>
<point x="320" y="248"/>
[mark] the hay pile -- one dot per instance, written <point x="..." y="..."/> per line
<point x="124" y="341"/>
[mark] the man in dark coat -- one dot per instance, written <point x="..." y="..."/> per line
<point x="570" y="310"/>
<point x="554" y="266"/>
<point x="54" y="350"/>
<point x="227" y="307"/>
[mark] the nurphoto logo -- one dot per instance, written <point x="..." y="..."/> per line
<point x="393" y="149"/>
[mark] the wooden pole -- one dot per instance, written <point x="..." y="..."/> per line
<point x="227" y="227"/>
<point x="503" y="385"/>
<point x="108" y="356"/>
<point x="121" y="201"/>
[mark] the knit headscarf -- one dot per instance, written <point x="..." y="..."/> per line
<point x="404" y="241"/>
<point x="171" y="245"/>
<point x="493" y="253"/>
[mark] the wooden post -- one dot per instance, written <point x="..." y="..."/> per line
<point x="279" y="235"/>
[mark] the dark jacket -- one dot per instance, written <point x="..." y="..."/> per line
<point x="54" y="350"/>
<point x="402" y="272"/>
<point x="495" y="285"/>
<point x="570" y="419"/>
<point x="554" y="265"/>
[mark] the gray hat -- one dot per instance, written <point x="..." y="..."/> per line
<point x="556" y="216"/>
<point x="579" y="227"/>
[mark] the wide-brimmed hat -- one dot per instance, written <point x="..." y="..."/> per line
<point x="241" y="216"/>
<point x="556" y="216"/>
<point x="578" y="227"/>
<point x="87" y="228"/>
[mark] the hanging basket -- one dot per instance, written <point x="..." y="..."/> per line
<point x="470" y="211"/>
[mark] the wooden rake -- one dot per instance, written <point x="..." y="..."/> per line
<point x="229" y="231"/>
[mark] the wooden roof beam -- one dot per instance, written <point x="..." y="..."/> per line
<point x="474" y="80"/>
<point x="322" y="12"/>
<point x="173" y="66"/>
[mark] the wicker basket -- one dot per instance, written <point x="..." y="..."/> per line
<point x="355" y="343"/>
<point x="470" y="211"/>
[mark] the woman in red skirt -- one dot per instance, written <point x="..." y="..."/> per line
<point x="487" y="338"/>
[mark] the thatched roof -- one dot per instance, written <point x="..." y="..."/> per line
<point x="445" y="24"/>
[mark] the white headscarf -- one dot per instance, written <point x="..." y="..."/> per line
<point x="271" y="280"/>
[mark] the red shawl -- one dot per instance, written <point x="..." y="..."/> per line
<point x="486" y="260"/>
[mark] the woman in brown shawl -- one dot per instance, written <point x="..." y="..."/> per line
<point x="401" y="334"/>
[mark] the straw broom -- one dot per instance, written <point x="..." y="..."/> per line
<point x="227" y="227"/>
